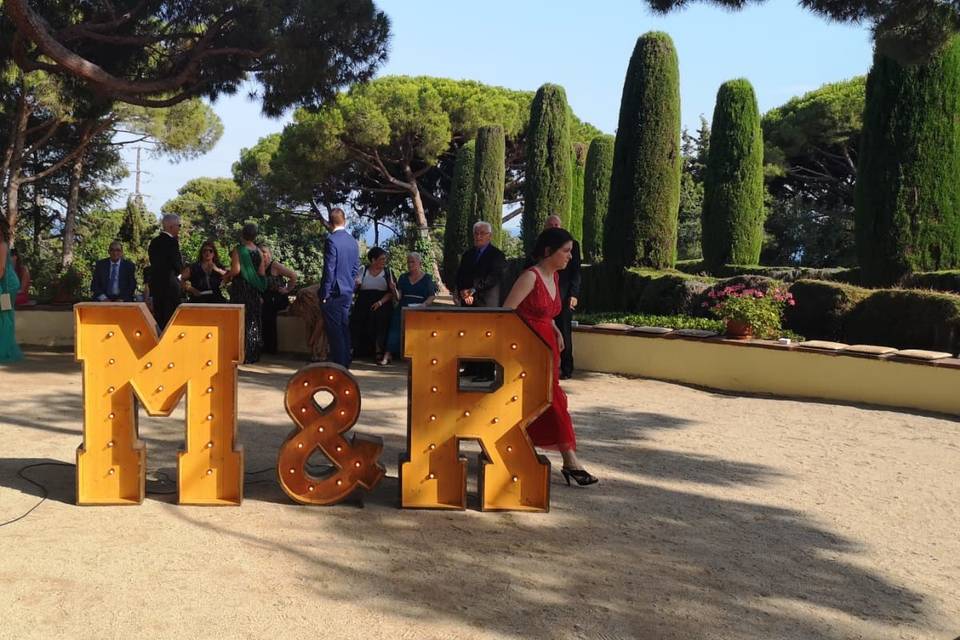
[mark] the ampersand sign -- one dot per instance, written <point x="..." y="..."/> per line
<point x="323" y="428"/>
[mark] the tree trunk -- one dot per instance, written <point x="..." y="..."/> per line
<point x="70" y="219"/>
<point x="423" y="229"/>
<point x="376" y="233"/>
<point x="14" y="160"/>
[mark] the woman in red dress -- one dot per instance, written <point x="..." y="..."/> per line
<point x="535" y="297"/>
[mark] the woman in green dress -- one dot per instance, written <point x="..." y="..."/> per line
<point x="415" y="287"/>
<point x="248" y="281"/>
<point x="9" y="287"/>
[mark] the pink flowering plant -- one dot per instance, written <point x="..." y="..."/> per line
<point x="761" y="310"/>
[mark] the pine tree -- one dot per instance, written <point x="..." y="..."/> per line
<point x="456" y="234"/>
<point x="641" y="225"/>
<point x="733" y="211"/>
<point x="549" y="175"/>
<point x="908" y="178"/>
<point x="596" y="195"/>
<point x="489" y="177"/>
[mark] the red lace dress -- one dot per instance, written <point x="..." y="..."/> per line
<point x="554" y="428"/>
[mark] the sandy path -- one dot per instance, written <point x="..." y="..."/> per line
<point x="716" y="517"/>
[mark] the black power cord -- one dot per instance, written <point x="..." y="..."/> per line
<point x="46" y="494"/>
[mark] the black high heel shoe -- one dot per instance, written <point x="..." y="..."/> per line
<point x="580" y="475"/>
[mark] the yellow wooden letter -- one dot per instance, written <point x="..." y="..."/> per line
<point x="123" y="358"/>
<point x="432" y="472"/>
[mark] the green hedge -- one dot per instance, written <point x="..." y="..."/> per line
<point x="821" y="308"/>
<point x="784" y="273"/>
<point x="824" y="310"/>
<point x="906" y="319"/>
<point x="647" y="320"/>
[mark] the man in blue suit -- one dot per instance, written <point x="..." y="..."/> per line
<point x="341" y="266"/>
<point x="114" y="278"/>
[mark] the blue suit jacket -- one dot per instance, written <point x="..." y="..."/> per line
<point x="341" y="265"/>
<point x="127" y="279"/>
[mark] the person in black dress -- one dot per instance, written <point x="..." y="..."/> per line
<point x="203" y="279"/>
<point x="248" y="281"/>
<point x="373" y="307"/>
<point x="166" y="265"/>
<point x="281" y="280"/>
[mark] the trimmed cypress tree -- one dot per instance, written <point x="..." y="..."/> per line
<point x="733" y="212"/>
<point x="488" y="179"/>
<point x="641" y="224"/>
<point x="548" y="176"/>
<point x="456" y="233"/>
<point x="596" y="195"/>
<point x="908" y="178"/>
<point x="578" y="169"/>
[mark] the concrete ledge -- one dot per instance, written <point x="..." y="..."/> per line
<point x="767" y="367"/>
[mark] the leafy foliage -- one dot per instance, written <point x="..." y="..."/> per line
<point x="456" y="233"/>
<point x="811" y="149"/>
<point x="549" y="175"/>
<point x="596" y="195"/>
<point x="761" y="309"/>
<point x="578" y="169"/>
<point x="908" y="194"/>
<point x="910" y="31"/>
<point x="689" y="228"/>
<point x="489" y="177"/>
<point x="733" y="210"/>
<point x="641" y="226"/>
<point x="299" y="52"/>
<point x="649" y="320"/>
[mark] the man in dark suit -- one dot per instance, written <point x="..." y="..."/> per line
<point x="569" y="294"/>
<point x="481" y="270"/>
<point x="166" y="263"/>
<point x="341" y="266"/>
<point x="114" y="278"/>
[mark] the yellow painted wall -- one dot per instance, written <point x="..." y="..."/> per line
<point x="777" y="371"/>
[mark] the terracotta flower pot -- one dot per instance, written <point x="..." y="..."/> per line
<point x="739" y="330"/>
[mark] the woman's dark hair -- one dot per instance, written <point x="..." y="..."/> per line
<point x="4" y="230"/>
<point x="209" y="244"/>
<point x="375" y="253"/>
<point x="249" y="232"/>
<point x="549" y="242"/>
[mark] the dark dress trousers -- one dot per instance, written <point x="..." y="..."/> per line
<point x="483" y="274"/>
<point x="569" y="288"/>
<point x="126" y="281"/>
<point x="166" y="263"/>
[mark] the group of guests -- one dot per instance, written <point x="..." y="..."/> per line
<point x="253" y="278"/>
<point x="538" y="296"/>
<point x="375" y="318"/>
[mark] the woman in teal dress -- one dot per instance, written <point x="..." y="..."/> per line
<point x="9" y="287"/>
<point x="415" y="287"/>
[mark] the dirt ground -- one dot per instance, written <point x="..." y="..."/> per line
<point x="716" y="516"/>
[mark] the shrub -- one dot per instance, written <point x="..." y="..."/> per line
<point x="906" y="319"/>
<point x="649" y="320"/>
<point x="577" y="168"/>
<point x="456" y="233"/>
<point x="548" y="175"/>
<point x="907" y="192"/>
<point x="762" y="310"/>
<point x="822" y="308"/>
<point x="488" y="179"/>
<point x="596" y="195"/>
<point x="733" y="210"/>
<point x="641" y="224"/>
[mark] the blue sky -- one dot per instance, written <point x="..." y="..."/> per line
<point x="584" y="46"/>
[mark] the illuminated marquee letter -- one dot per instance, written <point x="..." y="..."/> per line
<point x="122" y="358"/>
<point x="323" y="429"/>
<point x="432" y="472"/>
